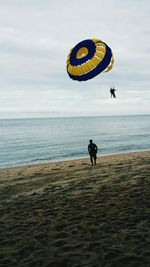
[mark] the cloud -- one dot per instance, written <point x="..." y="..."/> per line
<point x="35" y="38"/>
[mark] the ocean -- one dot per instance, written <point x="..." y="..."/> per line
<point x="41" y="140"/>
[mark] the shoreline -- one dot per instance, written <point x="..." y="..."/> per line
<point x="71" y="159"/>
<point x="73" y="214"/>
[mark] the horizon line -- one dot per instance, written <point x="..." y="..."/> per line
<point x="74" y="116"/>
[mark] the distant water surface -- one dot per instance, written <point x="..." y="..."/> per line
<point x="30" y="141"/>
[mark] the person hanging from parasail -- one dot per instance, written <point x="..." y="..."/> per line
<point x="112" y="92"/>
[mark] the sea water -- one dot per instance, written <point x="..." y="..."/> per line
<point x="39" y="140"/>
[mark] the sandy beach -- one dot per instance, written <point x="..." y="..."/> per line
<point x="72" y="214"/>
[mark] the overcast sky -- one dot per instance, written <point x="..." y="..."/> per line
<point x="35" y="39"/>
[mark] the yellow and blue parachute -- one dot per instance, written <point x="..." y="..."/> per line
<point x="88" y="59"/>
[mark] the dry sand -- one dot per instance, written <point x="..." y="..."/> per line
<point x="70" y="214"/>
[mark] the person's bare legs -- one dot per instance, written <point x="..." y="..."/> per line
<point x="91" y="158"/>
<point x="95" y="157"/>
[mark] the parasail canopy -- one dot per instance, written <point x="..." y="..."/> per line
<point x="88" y="59"/>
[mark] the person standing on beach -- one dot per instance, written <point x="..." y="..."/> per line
<point x="92" y="149"/>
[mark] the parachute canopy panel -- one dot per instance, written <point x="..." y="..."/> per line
<point x="88" y="59"/>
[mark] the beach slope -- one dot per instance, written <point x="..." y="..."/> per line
<point x="70" y="214"/>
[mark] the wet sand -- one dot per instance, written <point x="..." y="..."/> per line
<point x="72" y="214"/>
